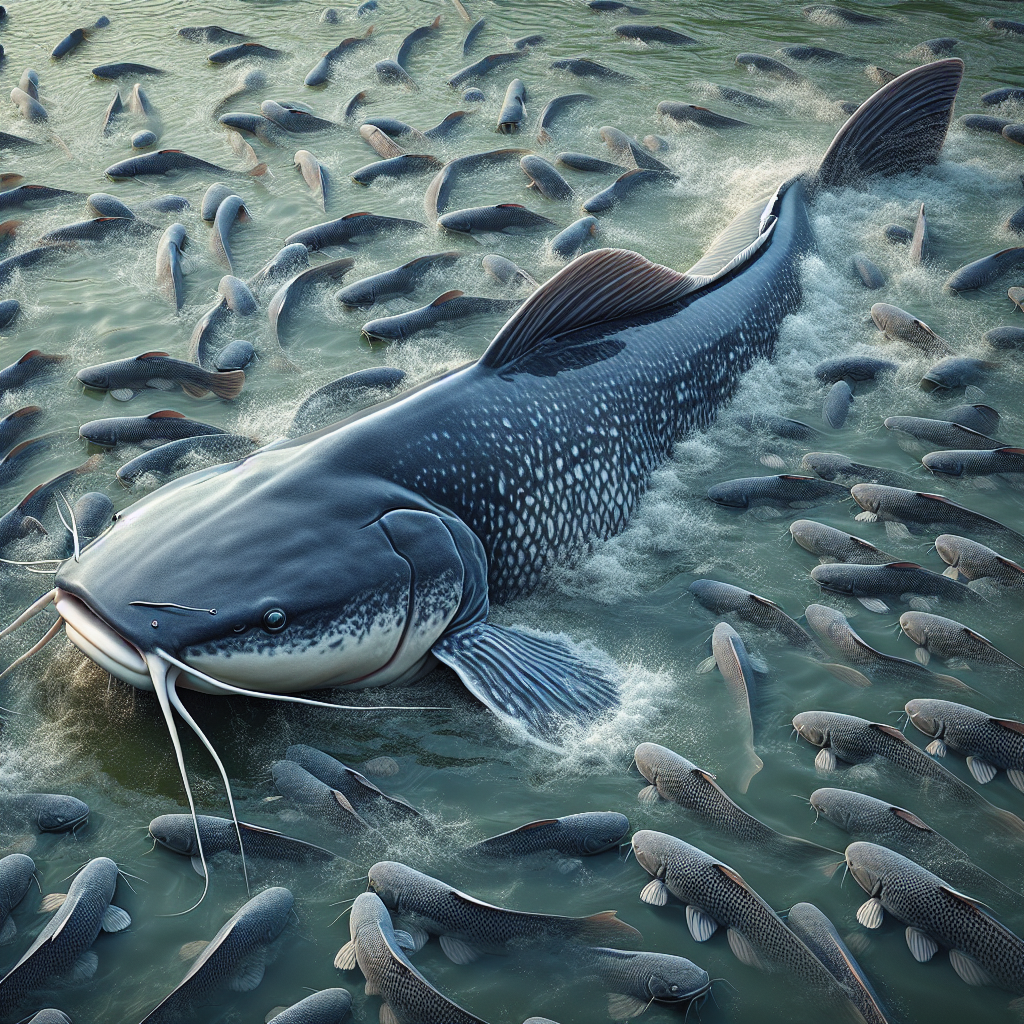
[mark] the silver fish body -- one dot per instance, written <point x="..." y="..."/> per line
<point x="955" y="372"/>
<point x="952" y="640"/>
<point x="16" y="875"/>
<point x="305" y="790"/>
<point x="570" y="241"/>
<point x="784" y="491"/>
<point x="625" y="185"/>
<point x="834" y="545"/>
<point x="985" y="270"/>
<point x="451" y="305"/>
<point x="187" y="453"/>
<point x="402" y="280"/>
<point x="574" y="835"/>
<point x="900" y="580"/>
<point x="513" y="107"/>
<point x="836" y="406"/>
<point x="971" y="463"/>
<point x="899" y="325"/>
<point x="733" y="662"/>
<point x="943" y="432"/>
<point x="157" y="428"/>
<point x="331" y="402"/>
<point x="974" y="561"/>
<point x="853" y="368"/>
<point x="124" y="378"/>
<point x="169" y="273"/>
<point x="723" y="598"/>
<point x="844" y="471"/>
<point x="328" y="1006"/>
<point x="545" y="179"/>
<point x="510" y="218"/>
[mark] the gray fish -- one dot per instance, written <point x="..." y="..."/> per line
<point x="484" y="66"/>
<point x="14" y="198"/>
<point x="187" y="453"/>
<point x="473" y="95"/>
<point x="981" y="950"/>
<point x="636" y="979"/>
<point x="333" y="401"/>
<point x="201" y="340"/>
<point x="723" y="598"/>
<point x="504" y="271"/>
<point x="687" y="113"/>
<point x="362" y="794"/>
<point x="14" y="463"/>
<point x="31" y="109"/>
<point x="829" y="543"/>
<point x="837" y="17"/>
<point x="903" y="581"/>
<point x="18" y="423"/>
<point x="125" y="69"/>
<point x="167" y="160"/>
<point x="918" y="511"/>
<point x="156" y="428"/>
<point x="897" y="234"/>
<point x="583" y="67"/>
<point x="832" y="626"/>
<point x="236" y="355"/>
<point x="955" y="372"/>
<point x="998" y="461"/>
<point x="351" y="229"/>
<point x="243" y="51"/>
<point x="447" y="125"/>
<point x="209" y="34"/>
<point x="768" y="66"/>
<point x="328" y="1006"/>
<point x="987" y="269"/>
<point x="1015" y="222"/>
<point x="623" y="186"/>
<point x="943" y="432"/>
<point x="472" y="34"/>
<point x="380" y="142"/>
<point x="988" y="743"/>
<point x="737" y="97"/>
<point x="405" y="49"/>
<point x="508" y="218"/>
<point x="614" y="5"/>
<point x="575" y="835"/>
<point x="870" y="275"/>
<point x="355" y="104"/>
<point x="231" y="209"/>
<point x="233" y="958"/>
<point x="314" y="174"/>
<point x="570" y="241"/>
<point x="169" y="274"/>
<point x="809" y="924"/>
<point x="293" y="117"/>
<point x="283" y="265"/>
<point x="75" y="38"/>
<point x="717" y="896"/>
<point x="267" y="131"/>
<point x="93" y="513"/>
<point x="672" y="777"/>
<point x="323" y="69"/>
<point x="951" y="641"/>
<point x="1004" y="25"/>
<point x="730" y="654"/>
<point x="49" y="1016"/>
<point x="468" y="927"/>
<point x="288" y="297"/>
<point x="17" y="872"/>
<point x="833" y="466"/>
<point x="402" y="280"/>
<point x="984" y="123"/>
<point x="62" y="948"/>
<point x="899" y="325"/>
<point x="545" y="179"/>
<point x="99" y="229"/>
<point x="1014" y="132"/>
<point x="654" y="34"/>
<point x="377" y="948"/>
<point x="101" y="204"/>
<point x="212" y="198"/>
<point x="932" y="48"/>
<point x="390" y="71"/>
<point x="865" y="817"/>
<point x="8" y="141"/>
<point x="397" y="167"/>
<point x="138" y="103"/>
<point x="110" y="115"/>
<point x="125" y="378"/>
<point x="554" y="108"/>
<point x="777" y="492"/>
<point x="177" y="833"/>
<point x="583" y="162"/>
<point x="307" y="791"/>
<point x="816" y="54"/>
<point x="856" y="740"/>
<point x="919" y="243"/>
<point x="836" y="406"/>
<point x="30" y="366"/>
<point x="780" y="426"/>
<point x="248" y="81"/>
<point x="513" y="107"/>
<point x="452" y="305"/>
<point x="975" y="561"/>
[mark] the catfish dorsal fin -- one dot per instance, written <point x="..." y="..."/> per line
<point x="1008" y="563"/>
<point x="453" y="294"/>
<point x="510" y="206"/>
<point x="900" y="128"/>
<point x="911" y="819"/>
<point x="1013" y="451"/>
<point x="30" y="355"/>
<point x="889" y="730"/>
<point x="531" y="825"/>
<point x="154" y="355"/>
<point x="765" y="601"/>
<point x="601" y="285"/>
<point x="732" y="875"/>
<point x="166" y="414"/>
<point x="902" y="565"/>
<point x="352" y="216"/>
<point x="1009" y="723"/>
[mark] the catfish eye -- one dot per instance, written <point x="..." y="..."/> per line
<point x="274" y="620"/>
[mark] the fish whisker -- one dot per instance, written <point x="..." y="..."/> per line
<point x="30" y="612"/>
<point x="36" y="648"/>
<point x="73" y="528"/>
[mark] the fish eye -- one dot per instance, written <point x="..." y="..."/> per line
<point x="274" y="620"/>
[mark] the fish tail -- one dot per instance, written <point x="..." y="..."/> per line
<point x="606" y="927"/>
<point x="258" y="171"/>
<point x="1009" y="820"/>
<point x="227" y="384"/>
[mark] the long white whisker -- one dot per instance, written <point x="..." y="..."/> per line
<point x="47" y="637"/>
<point x="42" y="572"/>
<point x="38" y="561"/>
<point x="30" y="612"/>
<point x="180" y="708"/>
<point x="287" y="698"/>
<point x="73" y="527"/>
<point x="162" y="679"/>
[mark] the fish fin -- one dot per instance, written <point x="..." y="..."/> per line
<point x="764" y="513"/>
<point x="163" y="384"/>
<point x="847" y="674"/>
<point x="115" y="919"/>
<point x="1008" y="563"/>
<point x="897" y="531"/>
<point x="702" y="926"/>
<point x="733" y="876"/>
<point x="531" y="681"/>
<point x="923" y="655"/>
<point x="759" y="665"/>
<point x="655" y="892"/>
<point x="371" y="988"/>
<point x="198" y="866"/>
<point x="601" y="285"/>
<point x="166" y="414"/>
<point x="899" y="128"/>
<point x="605" y="927"/>
<point x="345" y="959"/>
<point x="911" y="819"/>
<point x="457" y="951"/>
<point x="382" y="767"/>
<point x="8" y="931"/>
<point x="621" y="1005"/>
<point x="83" y="968"/>
<point x="1016" y="777"/>
<point x="951" y="571"/>
<point x="707" y="665"/>
<point x="274" y="1012"/>
<point x="920" y="604"/>
<point x="973" y="393"/>
<point x="343" y="802"/>
<point x="226" y="384"/>
<point x="420" y="936"/>
<point x="825" y="760"/>
<point x="970" y="970"/>
<point x="29" y="524"/>
<point x="1009" y="723"/>
<point x="190" y="950"/>
<point x="772" y="460"/>
<point x="122" y="394"/>
<point x="247" y="977"/>
<point x="870" y="913"/>
<point x="387" y="1015"/>
<point x="744" y="951"/>
<point x="981" y="770"/>
<point x="51" y="902"/>
<point x="866" y="517"/>
<point x="192" y="390"/>
<point x="874" y="604"/>
<point x="746" y="233"/>
<point x="441" y="299"/>
<point x="937" y="748"/>
<point x="405" y="941"/>
<point x="889" y="730"/>
<point x="648" y="795"/>
<point x="923" y="947"/>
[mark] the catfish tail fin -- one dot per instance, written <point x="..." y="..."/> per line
<point x="900" y="128"/>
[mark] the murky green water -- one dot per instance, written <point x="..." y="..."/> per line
<point x="79" y="733"/>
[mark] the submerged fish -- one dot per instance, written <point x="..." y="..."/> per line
<point x="722" y="598"/>
<point x="452" y="305"/>
<point x="126" y="378"/>
<point x="329" y="403"/>
<point x="975" y="561"/>
<point x="47" y="812"/>
<point x="17" y="872"/>
<point x="951" y="641"/>
<point x="899" y="325"/>
<point x="734" y="663"/>
<point x="834" y="545"/>
<point x="975" y="462"/>
<point x="901" y="580"/>
<point x="186" y="453"/>
<point x="777" y="492"/>
<point x="575" y="835"/>
<point x="402" y="280"/>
